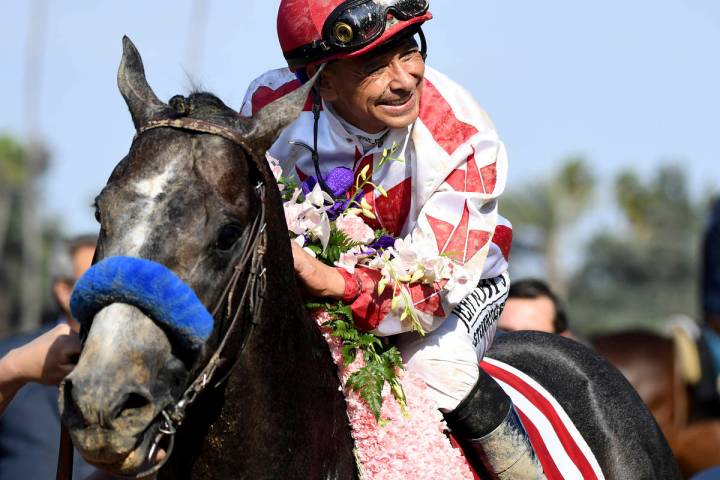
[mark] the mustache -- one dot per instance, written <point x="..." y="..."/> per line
<point x="397" y="98"/>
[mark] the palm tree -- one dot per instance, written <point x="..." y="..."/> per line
<point x="551" y="207"/>
<point x="12" y="176"/>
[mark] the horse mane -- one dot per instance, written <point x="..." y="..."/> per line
<point x="202" y="106"/>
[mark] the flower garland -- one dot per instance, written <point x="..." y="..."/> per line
<point x="411" y="444"/>
<point x="331" y="227"/>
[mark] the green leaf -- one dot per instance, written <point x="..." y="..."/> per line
<point x="368" y="383"/>
<point x="349" y="353"/>
<point x="381" y="363"/>
<point x="338" y="244"/>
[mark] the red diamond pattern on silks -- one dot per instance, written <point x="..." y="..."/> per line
<point x="474" y="179"/>
<point x="427" y="299"/>
<point x="457" y="180"/>
<point x="489" y="176"/>
<point x="360" y="163"/>
<point x="503" y="239"/>
<point x="264" y="96"/>
<point x="394" y="209"/>
<point x="459" y="243"/>
<point x="391" y="211"/>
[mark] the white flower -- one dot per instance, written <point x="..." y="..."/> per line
<point x="404" y="261"/>
<point x="308" y="218"/>
<point x="378" y="262"/>
<point x="294" y="213"/>
<point x="318" y="197"/>
<point x="460" y="284"/>
<point x="349" y="259"/>
<point x="317" y="223"/>
<point x="355" y="228"/>
<point x="275" y="168"/>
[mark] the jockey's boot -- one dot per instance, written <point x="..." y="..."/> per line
<point x="492" y="435"/>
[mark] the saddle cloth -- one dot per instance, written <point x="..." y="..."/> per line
<point x="560" y="447"/>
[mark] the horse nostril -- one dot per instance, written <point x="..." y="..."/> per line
<point x="71" y="413"/>
<point x="134" y="404"/>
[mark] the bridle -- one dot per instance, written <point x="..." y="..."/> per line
<point x="227" y="354"/>
<point x="231" y="346"/>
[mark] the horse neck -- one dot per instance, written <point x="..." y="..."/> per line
<point x="283" y="412"/>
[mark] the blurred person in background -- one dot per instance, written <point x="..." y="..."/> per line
<point x="707" y="390"/>
<point x="711" y="269"/>
<point x="37" y="362"/>
<point x="46" y="360"/>
<point x="532" y="305"/>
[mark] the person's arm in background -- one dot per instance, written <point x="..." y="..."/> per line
<point x="47" y="360"/>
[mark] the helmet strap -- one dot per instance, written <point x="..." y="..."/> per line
<point x="316" y="108"/>
<point x="317" y="105"/>
<point x="423" y="43"/>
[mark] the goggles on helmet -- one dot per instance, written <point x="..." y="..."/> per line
<point x="357" y="23"/>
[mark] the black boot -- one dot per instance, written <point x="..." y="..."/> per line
<point x="492" y="435"/>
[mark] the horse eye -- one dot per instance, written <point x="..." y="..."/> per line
<point x="229" y="235"/>
<point x="97" y="215"/>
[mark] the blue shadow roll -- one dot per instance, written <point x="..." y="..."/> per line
<point x="149" y="286"/>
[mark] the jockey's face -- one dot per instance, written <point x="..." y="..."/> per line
<point x="377" y="90"/>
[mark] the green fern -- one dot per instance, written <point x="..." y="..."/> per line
<point x="338" y="244"/>
<point x="382" y="363"/>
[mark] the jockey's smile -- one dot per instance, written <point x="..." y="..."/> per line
<point x="377" y="90"/>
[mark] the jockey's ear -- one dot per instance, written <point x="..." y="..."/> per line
<point x="144" y="105"/>
<point x="325" y="83"/>
<point x="264" y="128"/>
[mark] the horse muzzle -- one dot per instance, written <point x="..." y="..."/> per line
<point x="112" y="401"/>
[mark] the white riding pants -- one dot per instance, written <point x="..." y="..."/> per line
<point x="447" y="358"/>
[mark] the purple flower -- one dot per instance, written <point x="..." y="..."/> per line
<point x="340" y="180"/>
<point x="335" y="211"/>
<point x="308" y="185"/>
<point x="386" y="241"/>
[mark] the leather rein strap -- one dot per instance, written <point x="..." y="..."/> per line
<point x="232" y="344"/>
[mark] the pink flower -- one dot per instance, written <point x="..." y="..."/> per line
<point x="355" y="228"/>
<point x="412" y="446"/>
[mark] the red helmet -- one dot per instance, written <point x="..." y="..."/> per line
<point x="317" y="31"/>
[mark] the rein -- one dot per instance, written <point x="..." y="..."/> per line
<point x="233" y="343"/>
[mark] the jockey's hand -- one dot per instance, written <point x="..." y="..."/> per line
<point x="49" y="358"/>
<point x="319" y="280"/>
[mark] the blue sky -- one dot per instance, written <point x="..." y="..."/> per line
<point x="628" y="84"/>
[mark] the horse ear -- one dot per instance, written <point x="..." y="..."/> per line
<point x="265" y="126"/>
<point x="144" y="105"/>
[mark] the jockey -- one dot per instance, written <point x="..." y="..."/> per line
<point x="375" y="93"/>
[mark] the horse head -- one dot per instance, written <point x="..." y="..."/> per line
<point x="187" y="200"/>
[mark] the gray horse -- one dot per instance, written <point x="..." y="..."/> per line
<point x="195" y="195"/>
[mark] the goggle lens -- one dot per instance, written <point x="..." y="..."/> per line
<point x="410" y="8"/>
<point x="358" y="24"/>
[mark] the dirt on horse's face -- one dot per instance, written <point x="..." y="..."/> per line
<point x="180" y="199"/>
